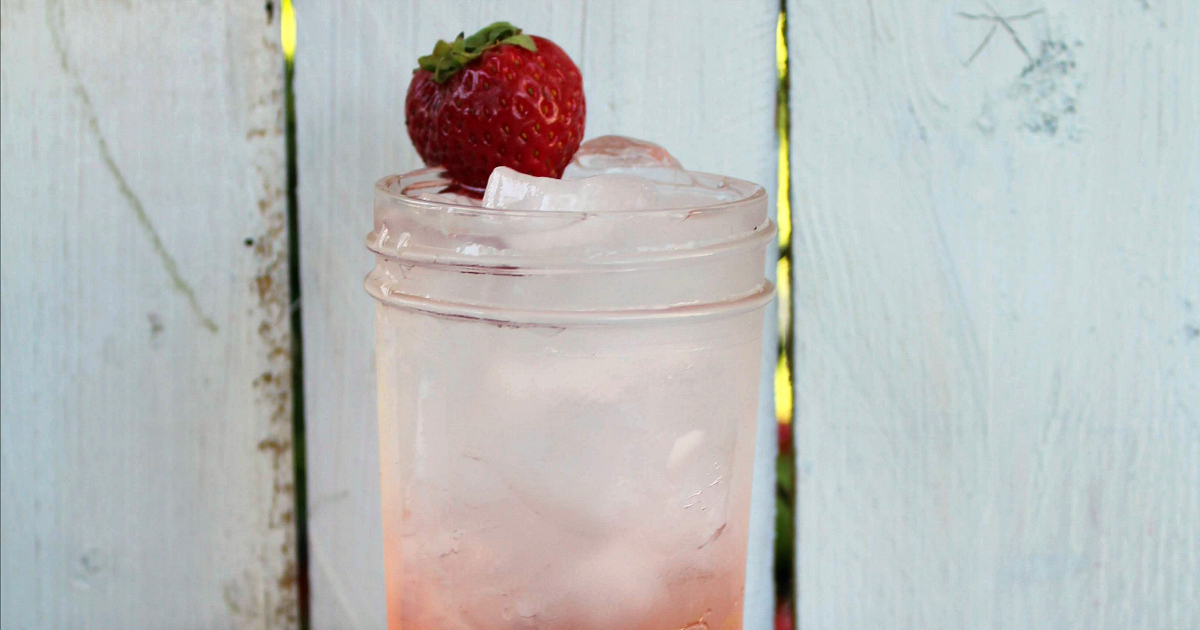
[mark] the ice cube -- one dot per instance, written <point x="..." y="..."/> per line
<point x="511" y="190"/>
<point x="683" y="447"/>
<point x="452" y="198"/>
<point x="676" y="187"/>
<point x="608" y="155"/>
<point x="616" y="586"/>
<point x="702" y="190"/>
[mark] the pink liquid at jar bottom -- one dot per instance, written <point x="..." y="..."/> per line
<point x="577" y="477"/>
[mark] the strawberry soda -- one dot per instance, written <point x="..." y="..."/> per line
<point x="567" y="397"/>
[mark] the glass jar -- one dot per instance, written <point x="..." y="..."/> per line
<point x="567" y="409"/>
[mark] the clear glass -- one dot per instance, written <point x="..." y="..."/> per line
<point x="567" y="405"/>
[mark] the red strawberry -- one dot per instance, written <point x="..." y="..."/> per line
<point x="496" y="98"/>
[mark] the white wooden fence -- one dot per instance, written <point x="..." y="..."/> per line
<point x="997" y="312"/>
<point x="996" y="269"/>
<point x="145" y="392"/>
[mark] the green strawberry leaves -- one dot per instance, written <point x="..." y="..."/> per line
<point x="450" y="57"/>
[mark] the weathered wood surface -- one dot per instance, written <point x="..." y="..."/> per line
<point x="145" y="391"/>
<point x="697" y="77"/>
<point x="997" y="313"/>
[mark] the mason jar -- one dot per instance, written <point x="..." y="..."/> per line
<point x="567" y="409"/>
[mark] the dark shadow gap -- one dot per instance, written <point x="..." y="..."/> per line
<point x="287" y="22"/>
<point x="785" y="569"/>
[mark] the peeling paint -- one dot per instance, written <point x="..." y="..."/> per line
<point x="1048" y="90"/>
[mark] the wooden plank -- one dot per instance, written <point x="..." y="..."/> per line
<point x="696" y="77"/>
<point x="997" y="251"/>
<point x="146" y="403"/>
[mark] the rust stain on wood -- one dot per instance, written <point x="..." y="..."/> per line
<point x="273" y="387"/>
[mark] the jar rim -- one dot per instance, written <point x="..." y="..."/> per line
<point x="392" y="187"/>
<point x="506" y="316"/>
<point x="567" y="266"/>
<point x="760" y="236"/>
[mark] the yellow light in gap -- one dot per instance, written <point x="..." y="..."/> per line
<point x="783" y="270"/>
<point x="783" y="286"/>
<point x="782" y="197"/>
<point x="780" y="45"/>
<point x="783" y="392"/>
<point x="287" y="29"/>
<point x="783" y="375"/>
<point x="783" y="203"/>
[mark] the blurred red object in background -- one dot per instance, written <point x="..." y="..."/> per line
<point x="783" y="617"/>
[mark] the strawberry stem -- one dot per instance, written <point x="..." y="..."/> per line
<point x="450" y="57"/>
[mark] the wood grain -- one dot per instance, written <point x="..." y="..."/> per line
<point x="697" y="77"/>
<point x="146" y="403"/>
<point x="997" y="309"/>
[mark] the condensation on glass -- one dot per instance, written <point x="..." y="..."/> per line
<point x="567" y="405"/>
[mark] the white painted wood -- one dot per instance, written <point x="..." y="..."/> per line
<point x="145" y="397"/>
<point x="997" y="314"/>
<point x="697" y="77"/>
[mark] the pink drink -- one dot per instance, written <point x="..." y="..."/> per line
<point x="567" y="404"/>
